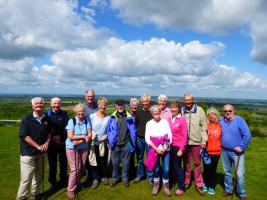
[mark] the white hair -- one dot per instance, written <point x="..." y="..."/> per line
<point x="90" y="90"/>
<point x="162" y="96"/>
<point x="144" y="96"/>
<point x="134" y="100"/>
<point x="54" y="99"/>
<point x="37" y="99"/>
<point x="155" y="107"/>
<point x="188" y="94"/>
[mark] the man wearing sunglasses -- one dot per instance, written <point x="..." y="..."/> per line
<point x="235" y="139"/>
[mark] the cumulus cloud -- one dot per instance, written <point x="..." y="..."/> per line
<point x="154" y="66"/>
<point x="216" y="17"/>
<point x="34" y="28"/>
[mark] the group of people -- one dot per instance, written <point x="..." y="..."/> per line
<point x="170" y="137"/>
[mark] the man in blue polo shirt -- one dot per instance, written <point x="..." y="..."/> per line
<point x="235" y="139"/>
<point x="57" y="150"/>
<point x="34" y="140"/>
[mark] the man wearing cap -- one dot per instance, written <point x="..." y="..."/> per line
<point x="121" y="133"/>
<point x="235" y="139"/>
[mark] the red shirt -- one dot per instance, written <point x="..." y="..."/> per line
<point x="214" y="139"/>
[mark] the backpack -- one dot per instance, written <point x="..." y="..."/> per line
<point x="74" y="122"/>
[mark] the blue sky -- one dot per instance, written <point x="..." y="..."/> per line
<point x="212" y="48"/>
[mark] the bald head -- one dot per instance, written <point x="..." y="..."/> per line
<point x="56" y="104"/>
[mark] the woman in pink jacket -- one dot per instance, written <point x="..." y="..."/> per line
<point x="179" y="140"/>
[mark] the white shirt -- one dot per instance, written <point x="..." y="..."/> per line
<point x="157" y="129"/>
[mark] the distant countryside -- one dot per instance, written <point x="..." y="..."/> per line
<point x="15" y="107"/>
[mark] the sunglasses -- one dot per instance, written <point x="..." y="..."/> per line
<point x="227" y="111"/>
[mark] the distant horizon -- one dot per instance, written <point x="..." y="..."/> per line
<point x="65" y="95"/>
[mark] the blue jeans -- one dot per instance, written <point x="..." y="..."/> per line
<point x="120" y="153"/>
<point x="140" y="150"/>
<point x="165" y="158"/>
<point x="229" y="158"/>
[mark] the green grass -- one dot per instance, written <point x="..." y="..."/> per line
<point x="256" y="175"/>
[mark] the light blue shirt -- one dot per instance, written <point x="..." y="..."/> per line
<point x="79" y="129"/>
<point x="99" y="125"/>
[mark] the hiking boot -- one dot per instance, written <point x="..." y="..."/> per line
<point x="227" y="194"/>
<point x="166" y="189"/>
<point x="200" y="191"/>
<point x="179" y="192"/>
<point x="71" y="195"/>
<point x="150" y="181"/>
<point x="95" y="184"/>
<point x="126" y="184"/>
<point x="155" y="189"/>
<point x="104" y="181"/>
<point x="137" y="179"/>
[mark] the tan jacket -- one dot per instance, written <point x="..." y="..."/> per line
<point x="196" y="124"/>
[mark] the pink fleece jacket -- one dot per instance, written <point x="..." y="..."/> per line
<point x="179" y="131"/>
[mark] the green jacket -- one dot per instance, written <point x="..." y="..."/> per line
<point x="196" y="124"/>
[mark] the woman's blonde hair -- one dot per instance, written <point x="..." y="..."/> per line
<point x="102" y="99"/>
<point x="77" y="107"/>
<point x="213" y="110"/>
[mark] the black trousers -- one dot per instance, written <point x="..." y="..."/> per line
<point x="209" y="174"/>
<point x="57" y="152"/>
<point x="101" y="170"/>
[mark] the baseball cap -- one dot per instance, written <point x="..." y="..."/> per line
<point x="120" y="102"/>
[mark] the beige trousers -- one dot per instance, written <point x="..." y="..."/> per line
<point x="31" y="173"/>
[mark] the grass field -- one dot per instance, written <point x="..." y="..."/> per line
<point x="256" y="176"/>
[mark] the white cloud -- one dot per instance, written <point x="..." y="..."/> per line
<point x="33" y="28"/>
<point x="216" y="17"/>
<point x="135" y="67"/>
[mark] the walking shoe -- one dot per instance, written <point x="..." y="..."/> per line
<point x="137" y="179"/>
<point x="243" y="198"/>
<point x="113" y="183"/>
<point x="179" y="192"/>
<point x="227" y="194"/>
<point x="166" y="189"/>
<point x="150" y="181"/>
<point x="95" y="184"/>
<point x="200" y="191"/>
<point x="187" y="186"/>
<point x="211" y="191"/>
<point x="204" y="187"/>
<point x="155" y="189"/>
<point x="104" y="181"/>
<point x="71" y="195"/>
<point x="126" y="183"/>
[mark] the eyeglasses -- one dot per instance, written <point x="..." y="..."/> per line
<point x="228" y="111"/>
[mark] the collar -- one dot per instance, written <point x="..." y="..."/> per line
<point x="193" y="109"/>
<point x="229" y="120"/>
<point x="177" y="116"/>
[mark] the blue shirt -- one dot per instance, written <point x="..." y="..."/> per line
<point x="99" y="125"/>
<point x="80" y="129"/>
<point x="235" y="133"/>
<point x="90" y="110"/>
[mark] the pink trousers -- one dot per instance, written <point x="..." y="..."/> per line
<point x="76" y="161"/>
<point x="194" y="152"/>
